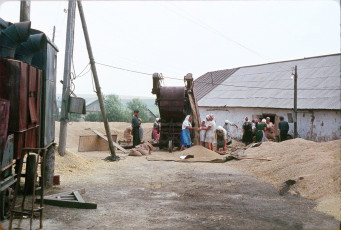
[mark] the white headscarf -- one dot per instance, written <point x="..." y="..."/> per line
<point x="186" y="123"/>
<point x="220" y="128"/>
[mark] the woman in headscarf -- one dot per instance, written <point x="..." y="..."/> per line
<point x="247" y="131"/>
<point x="155" y="133"/>
<point x="185" y="136"/>
<point x="210" y="131"/>
<point x="221" y="135"/>
<point x="270" y="130"/>
<point x="202" y="133"/>
<point x="261" y="127"/>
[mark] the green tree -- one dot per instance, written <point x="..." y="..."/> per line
<point x="116" y="111"/>
<point x="94" y="116"/>
<point x="137" y="103"/>
<point x="74" y="117"/>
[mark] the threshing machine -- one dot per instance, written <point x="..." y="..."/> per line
<point x="175" y="103"/>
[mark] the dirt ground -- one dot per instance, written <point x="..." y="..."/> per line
<point x="247" y="194"/>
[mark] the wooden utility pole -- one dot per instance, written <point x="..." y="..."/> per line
<point x="98" y="88"/>
<point x="25" y="9"/>
<point x="64" y="117"/>
<point x="295" y="102"/>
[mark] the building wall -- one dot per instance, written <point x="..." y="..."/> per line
<point x="315" y="125"/>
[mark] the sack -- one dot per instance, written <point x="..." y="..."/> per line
<point x="134" y="152"/>
<point x="143" y="152"/>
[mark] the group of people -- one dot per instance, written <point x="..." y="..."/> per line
<point x="255" y="131"/>
<point x="263" y="130"/>
<point x="135" y="130"/>
<point x="209" y="133"/>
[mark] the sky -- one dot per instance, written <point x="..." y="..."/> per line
<point x="179" y="37"/>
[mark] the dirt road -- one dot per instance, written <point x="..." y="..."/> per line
<point x="138" y="194"/>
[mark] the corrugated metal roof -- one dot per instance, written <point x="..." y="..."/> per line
<point x="270" y="85"/>
<point x="207" y="82"/>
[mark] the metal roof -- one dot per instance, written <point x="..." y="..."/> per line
<point x="271" y="86"/>
<point x="207" y="82"/>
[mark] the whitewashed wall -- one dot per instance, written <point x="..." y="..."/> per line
<point x="315" y="125"/>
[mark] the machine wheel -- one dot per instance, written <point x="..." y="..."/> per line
<point x="170" y="146"/>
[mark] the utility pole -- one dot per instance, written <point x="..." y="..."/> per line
<point x="98" y="88"/>
<point x="54" y="33"/>
<point x="295" y="102"/>
<point x="25" y="8"/>
<point x="64" y="118"/>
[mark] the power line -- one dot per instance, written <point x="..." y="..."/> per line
<point x="208" y="27"/>
<point x="128" y="70"/>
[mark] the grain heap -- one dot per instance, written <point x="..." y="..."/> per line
<point x="200" y="154"/>
<point x="314" y="166"/>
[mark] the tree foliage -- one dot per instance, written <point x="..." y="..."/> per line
<point x="94" y="116"/>
<point x="137" y="103"/>
<point x="117" y="111"/>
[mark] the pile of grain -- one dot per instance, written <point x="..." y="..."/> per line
<point x="71" y="162"/>
<point x="314" y="166"/>
<point x="200" y="153"/>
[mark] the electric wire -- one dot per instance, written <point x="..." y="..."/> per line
<point x="209" y="27"/>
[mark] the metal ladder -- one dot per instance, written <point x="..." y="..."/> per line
<point x="20" y="210"/>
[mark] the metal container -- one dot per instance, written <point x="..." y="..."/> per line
<point x="4" y="116"/>
<point x="34" y="94"/>
<point x="8" y="152"/>
<point x="13" y="87"/>
<point x="46" y="60"/>
<point x="77" y="105"/>
<point x="171" y="104"/>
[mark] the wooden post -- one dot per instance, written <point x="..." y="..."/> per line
<point x="66" y="79"/>
<point x="25" y="8"/>
<point x="98" y="88"/>
<point x="295" y="102"/>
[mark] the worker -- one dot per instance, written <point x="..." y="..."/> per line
<point x="210" y="131"/>
<point x="155" y="133"/>
<point x="247" y="132"/>
<point x="260" y="134"/>
<point x="284" y="128"/>
<point x="202" y="133"/>
<point x="270" y="130"/>
<point x="140" y="130"/>
<point x="136" y="128"/>
<point x="185" y="136"/>
<point x="227" y="127"/>
<point x="221" y="137"/>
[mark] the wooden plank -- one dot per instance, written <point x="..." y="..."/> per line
<point x="93" y="143"/>
<point x="69" y="204"/>
<point x="105" y="138"/>
<point x="78" y="197"/>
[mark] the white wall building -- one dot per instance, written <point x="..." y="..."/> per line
<point x="268" y="90"/>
